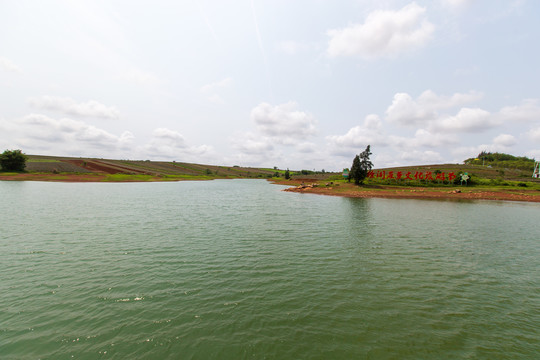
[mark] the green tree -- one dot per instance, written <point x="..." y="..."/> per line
<point x="13" y="160"/>
<point x="361" y="166"/>
<point x="355" y="172"/>
<point x="287" y="174"/>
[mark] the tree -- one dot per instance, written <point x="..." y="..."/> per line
<point x="287" y="174"/>
<point x="355" y="172"/>
<point x="13" y="160"/>
<point x="361" y="166"/>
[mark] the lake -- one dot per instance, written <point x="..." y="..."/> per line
<point x="238" y="269"/>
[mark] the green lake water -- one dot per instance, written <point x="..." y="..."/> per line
<point x="238" y="269"/>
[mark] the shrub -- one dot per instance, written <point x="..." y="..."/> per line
<point x="13" y="160"/>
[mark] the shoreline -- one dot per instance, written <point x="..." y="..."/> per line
<point x="420" y="193"/>
<point x="95" y="177"/>
<point x="314" y="187"/>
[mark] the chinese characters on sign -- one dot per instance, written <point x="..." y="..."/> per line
<point x="417" y="175"/>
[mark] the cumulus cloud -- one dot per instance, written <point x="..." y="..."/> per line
<point x="369" y="133"/>
<point x="500" y="143"/>
<point x="427" y="111"/>
<point x="384" y="33"/>
<point x="372" y="132"/>
<point x="467" y="120"/>
<point x="284" y="123"/>
<point x="69" y="106"/>
<point x="66" y="136"/>
<point x="170" y="144"/>
<point x="405" y="110"/>
<point x="441" y="122"/>
<point x="306" y="148"/>
<point x="277" y="127"/>
<point x="505" y="140"/>
<point x="170" y="137"/>
<point x="420" y="157"/>
<point x="251" y="144"/>
<point x="9" y="65"/>
<point x="424" y="138"/>
<point x="528" y="110"/>
<point x="253" y="149"/>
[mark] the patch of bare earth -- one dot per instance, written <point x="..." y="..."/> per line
<point x="349" y="190"/>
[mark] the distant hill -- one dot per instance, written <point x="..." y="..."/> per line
<point x="502" y="160"/>
<point x="61" y="164"/>
<point x="500" y="167"/>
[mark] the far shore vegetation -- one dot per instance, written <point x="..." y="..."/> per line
<point x="487" y="170"/>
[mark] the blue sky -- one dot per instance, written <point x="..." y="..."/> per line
<point x="295" y="84"/>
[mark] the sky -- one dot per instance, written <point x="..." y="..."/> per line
<point x="303" y="84"/>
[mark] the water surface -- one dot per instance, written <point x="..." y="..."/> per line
<point x="237" y="269"/>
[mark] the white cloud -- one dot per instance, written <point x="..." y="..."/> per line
<point x="505" y="140"/>
<point x="425" y="138"/>
<point x="500" y="143"/>
<point x="66" y="137"/>
<point x="212" y="89"/>
<point x="69" y="106"/>
<point x="252" y="144"/>
<point x="384" y="33"/>
<point x="208" y="88"/>
<point x="306" y="147"/>
<point x="528" y="110"/>
<point x="9" y="65"/>
<point x="420" y="157"/>
<point x="284" y="123"/>
<point x="170" y="144"/>
<point x="169" y="137"/>
<point x="276" y="128"/>
<point x="534" y="134"/>
<point x="358" y="137"/>
<point x="466" y="120"/>
<point x="253" y="149"/>
<point x="405" y="110"/>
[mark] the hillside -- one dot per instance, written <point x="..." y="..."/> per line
<point x="511" y="171"/>
<point x="502" y="160"/>
<point x="58" y="164"/>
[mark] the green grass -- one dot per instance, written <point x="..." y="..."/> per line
<point x="43" y="161"/>
<point x="128" y="177"/>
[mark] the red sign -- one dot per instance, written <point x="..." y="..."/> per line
<point x="418" y="175"/>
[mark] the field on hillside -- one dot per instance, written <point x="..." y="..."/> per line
<point x="57" y="168"/>
<point x="55" y="164"/>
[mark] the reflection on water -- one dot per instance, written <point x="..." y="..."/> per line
<point x="238" y="269"/>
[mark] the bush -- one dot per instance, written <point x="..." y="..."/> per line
<point x="13" y="160"/>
